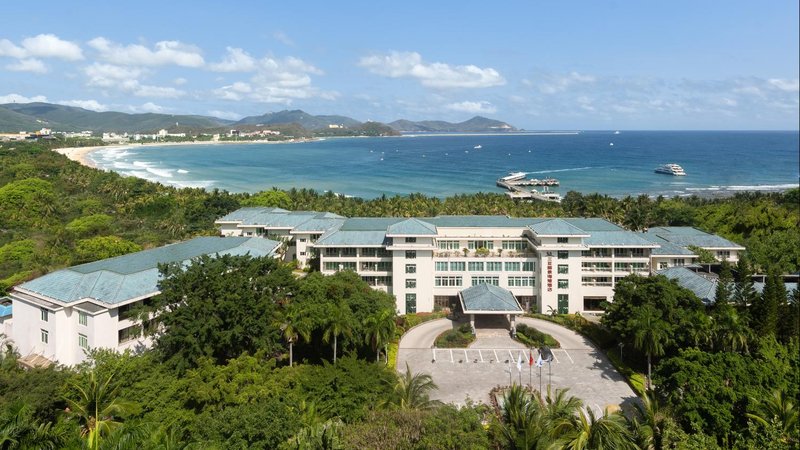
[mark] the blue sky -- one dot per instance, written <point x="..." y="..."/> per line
<point x="597" y="64"/>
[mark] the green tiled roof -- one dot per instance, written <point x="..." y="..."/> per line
<point x="686" y="236"/>
<point x="593" y="224"/>
<point x="320" y="224"/>
<point x="488" y="298"/>
<point x="666" y="247"/>
<point x="370" y="223"/>
<point x="116" y="280"/>
<point x="412" y="227"/>
<point x="617" y="238"/>
<point x="478" y="221"/>
<point x="245" y="213"/>
<point x="348" y="237"/>
<point x="704" y="288"/>
<point x="557" y="227"/>
<point x="280" y="219"/>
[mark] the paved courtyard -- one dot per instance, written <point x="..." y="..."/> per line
<point x="470" y="374"/>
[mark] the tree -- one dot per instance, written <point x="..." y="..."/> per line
<point x="272" y="197"/>
<point x="764" y="311"/>
<point x="651" y="334"/>
<point x="379" y="330"/>
<point x="588" y="431"/>
<point x="19" y="429"/>
<point x="730" y="332"/>
<point x="744" y="293"/>
<point x="724" y="289"/>
<point x="97" y="408"/>
<point x="293" y="326"/>
<point x="780" y="409"/>
<point x="102" y="247"/>
<point x="338" y="324"/>
<point x="412" y="391"/>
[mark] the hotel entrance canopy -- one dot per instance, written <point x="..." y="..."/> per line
<point x="489" y="299"/>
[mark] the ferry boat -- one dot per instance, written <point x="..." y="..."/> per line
<point x="513" y="176"/>
<point x="671" y="169"/>
<point x="478" y="147"/>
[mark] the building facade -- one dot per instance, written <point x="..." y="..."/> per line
<point x="60" y="316"/>
<point x="565" y="265"/>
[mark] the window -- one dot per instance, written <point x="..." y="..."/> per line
<point x="458" y="266"/>
<point x="411" y="283"/>
<point x="662" y="265"/>
<point x="563" y="284"/>
<point x="332" y="252"/>
<point x="563" y="254"/>
<point x="447" y="281"/>
<point x="474" y="245"/>
<point x="563" y="303"/>
<point x="620" y="252"/>
<point x="637" y="252"/>
<point x="449" y="245"/>
<point x="127" y="334"/>
<point x="302" y="253"/>
<point x="83" y="341"/>
<point x="411" y="240"/>
<point x="528" y="266"/>
<point x="411" y="303"/>
<point x="411" y="254"/>
<point x="411" y="268"/>
<point x="441" y="266"/>
<point x="512" y="266"/>
<point x="723" y="254"/>
<point x="380" y="266"/>
<point x="45" y="336"/>
<point x="83" y="318"/>
<point x="383" y="253"/>
<point x="475" y="266"/>
<point x="348" y="251"/>
<point x="563" y="268"/>
<point x="515" y="245"/>
<point x="494" y="266"/>
<point x="45" y="315"/>
<point x="340" y="265"/>
<point x="486" y="280"/>
<point x="562" y="240"/>
<point x="521" y="281"/>
<point x="369" y="252"/>
<point x="678" y="262"/>
<point x="384" y="266"/>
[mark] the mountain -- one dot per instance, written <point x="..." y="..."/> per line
<point x="474" y="125"/>
<point x="70" y="118"/>
<point x="301" y="118"/>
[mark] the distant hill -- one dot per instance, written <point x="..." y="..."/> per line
<point x="474" y="125"/>
<point x="301" y="118"/>
<point x="33" y="116"/>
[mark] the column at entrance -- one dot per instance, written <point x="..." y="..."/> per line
<point x="472" y="322"/>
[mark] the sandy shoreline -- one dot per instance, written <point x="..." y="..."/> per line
<point x="81" y="154"/>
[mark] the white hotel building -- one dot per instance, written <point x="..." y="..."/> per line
<point x="549" y="264"/>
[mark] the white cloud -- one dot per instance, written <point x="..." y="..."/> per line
<point x="42" y="46"/>
<point x="165" y="53"/>
<point x="472" y="107"/>
<point x="16" y="98"/>
<point x="436" y="75"/>
<point x="50" y="46"/>
<point x="555" y="83"/>
<point x="236" y="60"/>
<point x="144" y="90"/>
<point x="148" y="107"/>
<point x="785" y="85"/>
<point x="280" y="36"/>
<point x="28" y="65"/>
<point x="225" y="114"/>
<point x="92" y="105"/>
<point x="276" y="81"/>
<point x="126" y="79"/>
<point x="180" y="81"/>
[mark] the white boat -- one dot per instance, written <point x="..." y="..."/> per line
<point x="478" y="147"/>
<point x="616" y="132"/>
<point x="671" y="169"/>
<point x="513" y="176"/>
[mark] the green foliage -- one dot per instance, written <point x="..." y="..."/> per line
<point x="412" y="391"/>
<point x="764" y="310"/>
<point x="102" y="247"/>
<point x="411" y="320"/>
<point x="704" y="256"/>
<point x="460" y="337"/>
<point x="26" y="202"/>
<point x="598" y="334"/>
<point x="89" y="225"/>
<point x="234" y="295"/>
<point x="273" y="197"/>
<point x="532" y="337"/>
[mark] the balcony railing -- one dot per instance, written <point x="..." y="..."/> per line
<point x="490" y="254"/>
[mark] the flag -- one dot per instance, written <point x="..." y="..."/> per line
<point x="539" y="362"/>
<point x="530" y="358"/>
<point x="519" y="362"/>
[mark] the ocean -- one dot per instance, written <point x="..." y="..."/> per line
<point x="607" y="162"/>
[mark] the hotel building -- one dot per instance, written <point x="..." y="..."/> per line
<point x="565" y="265"/>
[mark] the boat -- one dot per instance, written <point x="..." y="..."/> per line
<point x="478" y="147"/>
<point x="616" y="132"/>
<point x="671" y="169"/>
<point x="513" y="176"/>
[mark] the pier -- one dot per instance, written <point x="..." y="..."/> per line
<point x="516" y="191"/>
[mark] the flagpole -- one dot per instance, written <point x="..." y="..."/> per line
<point x="530" y="368"/>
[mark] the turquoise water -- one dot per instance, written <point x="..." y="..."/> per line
<point x="444" y="165"/>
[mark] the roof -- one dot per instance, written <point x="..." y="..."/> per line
<point x="593" y="224"/>
<point x="280" y="219"/>
<point x="370" y="223"/>
<point x="617" y="238"/>
<point x="487" y="298"/>
<point x="319" y="224"/>
<point x="686" y="236"/>
<point x="556" y="227"/>
<point x="479" y="221"/>
<point x="704" y="288"/>
<point x="244" y="213"/>
<point x="666" y="248"/>
<point x="343" y="237"/>
<point x="412" y="227"/>
<point x="116" y="280"/>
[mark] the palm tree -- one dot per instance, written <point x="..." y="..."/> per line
<point x="651" y="335"/>
<point x="649" y="424"/>
<point x="293" y="327"/>
<point x="587" y="431"/>
<point x="97" y="408"/>
<point x="560" y="406"/>
<point x="522" y="422"/>
<point x="19" y="429"/>
<point x="412" y="391"/>
<point x="339" y="324"/>
<point x="777" y="407"/>
<point x="731" y="334"/>
<point x="379" y="331"/>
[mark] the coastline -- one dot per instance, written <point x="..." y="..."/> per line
<point x="81" y="155"/>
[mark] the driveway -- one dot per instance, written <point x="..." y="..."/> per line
<point x="465" y="375"/>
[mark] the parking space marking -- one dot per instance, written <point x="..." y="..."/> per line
<point x="567" y="353"/>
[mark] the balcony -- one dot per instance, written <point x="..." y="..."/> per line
<point x="490" y="254"/>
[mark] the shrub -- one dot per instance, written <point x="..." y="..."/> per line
<point x="455" y="338"/>
<point x="532" y="337"/>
